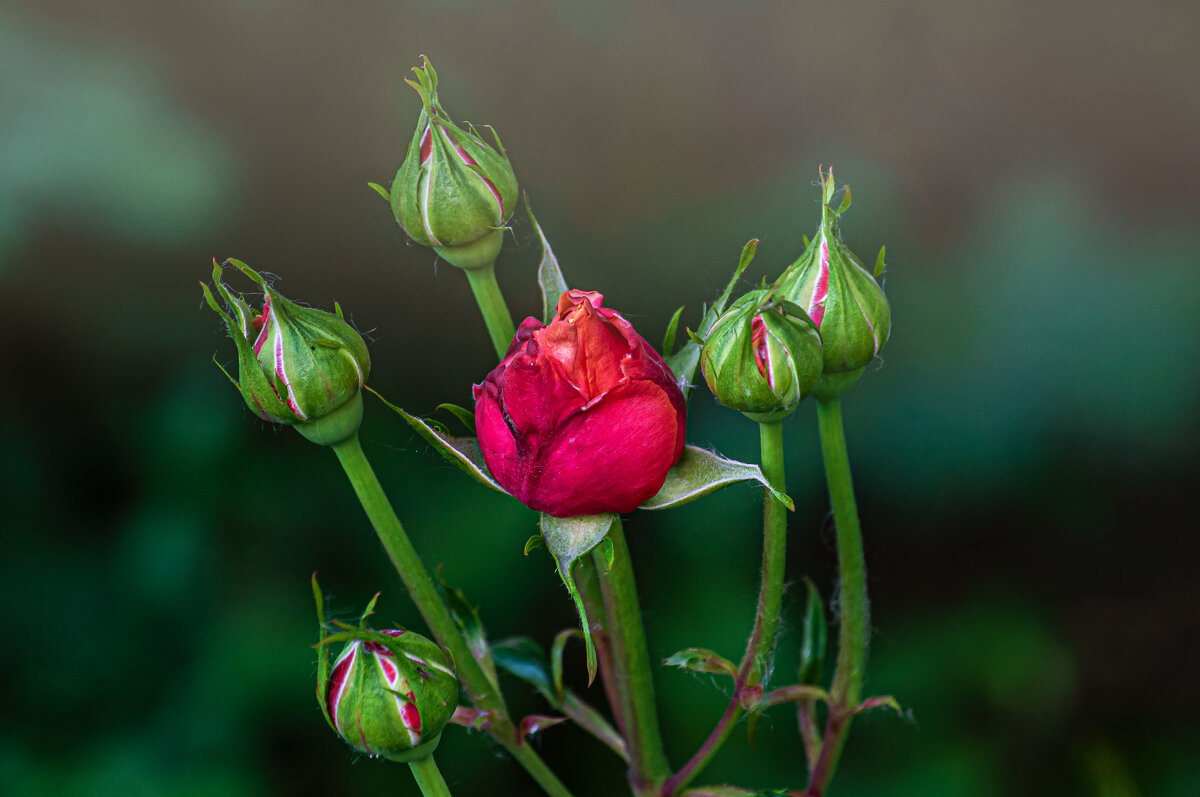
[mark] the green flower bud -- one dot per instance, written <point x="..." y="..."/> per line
<point x="453" y="192"/>
<point x="390" y="694"/>
<point x="762" y="357"/>
<point x="296" y="365"/>
<point x="840" y="296"/>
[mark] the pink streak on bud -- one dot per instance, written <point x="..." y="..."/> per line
<point x="426" y="146"/>
<point x="816" y="306"/>
<point x="281" y="372"/>
<point x="263" y="326"/>
<point x="338" y="681"/>
<point x="410" y="716"/>
<point x="469" y="161"/>
<point x="758" y="338"/>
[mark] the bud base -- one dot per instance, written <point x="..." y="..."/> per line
<point x="336" y="427"/>
<point x="480" y="253"/>
<point x="832" y="385"/>
<point x="423" y="750"/>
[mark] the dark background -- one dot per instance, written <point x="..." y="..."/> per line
<point x="1026" y="456"/>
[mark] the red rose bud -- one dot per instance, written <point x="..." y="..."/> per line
<point x="296" y="365"/>
<point x="762" y="357"/>
<point x="453" y="192"/>
<point x="582" y="416"/>
<point x="393" y="698"/>
<point x="840" y="296"/>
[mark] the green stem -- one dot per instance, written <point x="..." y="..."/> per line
<point x="766" y="620"/>
<point x="492" y="307"/>
<point x="648" y="766"/>
<point x="484" y="695"/>
<point x="429" y="778"/>
<point x="852" y="590"/>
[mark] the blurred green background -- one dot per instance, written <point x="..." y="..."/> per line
<point x="1026" y="456"/>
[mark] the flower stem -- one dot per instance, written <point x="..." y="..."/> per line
<point x="492" y="307"/>
<point x="429" y="778"/>
<point x="484" y="695"/>
<point x="766" y="620"/>
<point x="648" y="763"/>
<point x="852" y="590"/>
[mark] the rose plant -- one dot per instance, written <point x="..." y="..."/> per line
<point x="582" y="420"/>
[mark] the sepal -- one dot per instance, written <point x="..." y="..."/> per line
<point x="699" y="473"/>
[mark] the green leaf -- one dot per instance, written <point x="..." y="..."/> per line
<point x="462" y="452"/>
<point x="568" y="539"/>
<point x="322" y="652"/>
<point x="885" y="701"/>
<point x="845" y="202"/>
<point x="462" y="413"/>
<point x="701" y="472"/>
<point x="556" y="657"/>
<point x="533" y="543"/>
<point x="814" y="636"/>
<point x="684" y="362"/>
<point x="669" y="337"/>
<point x="383" y="192"/>
<point x="879" y="264"/>
<point x="549" y="275"/>
<point x="610" y="553"/>
<point x="701" y="660"/>
<point x="525" y="659"/>
<point x="466" y="617"/>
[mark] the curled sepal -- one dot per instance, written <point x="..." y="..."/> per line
<point x="462" y="452"/>
<point x="701" y="472"/>
<point x="701" y="660"/>
<point x="684" y="362"/>
<point x="813" y="637"/>
<point x="535" y="723"/>
<point x="883" y="701"/>
<point x="322" y="652"/>
<point x="389" y="693"/>
<point x="556" y="657"/>
<point x="296" y="365"/>
<point x="841" y="296"/>
<point x="796" y="693"/>
<point x="568" y="539"/>
<point x="454" y="191"/>
<point x="549" y="275"/>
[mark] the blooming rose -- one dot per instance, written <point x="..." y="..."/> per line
<point x="582" y="416"/>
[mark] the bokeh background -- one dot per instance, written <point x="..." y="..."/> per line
<point x="1026" y="455"/>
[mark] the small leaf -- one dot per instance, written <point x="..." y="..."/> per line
<point x="533" y="543"/>
<point x="383" y="192"/>
<point x="669" y="337"/>
<point x="885" y="701"/>
<point x="879" y="264"/>
<point x="322" y="652"/>
<point x="701" y="660"/>
<point x="556" y="657"/>
<point x="369" y="610"/>
<point x="701" y="472"/>
<point x="568" y="539"/>
<point x="471" y="718"/>
<point x="694" y="338"/>
<point x="549" y="275"/>
<point x="462" y="413"/>
<point x="525" y="659"/>
<point x="466" y="617"/>
<point x="610" y="553"/>
<point x="845" y="202"/>
<point x="462" y="452"/>
<point x="814" y="637"/>
<point x="806" y="241"/>
<point x="535" y="723"/>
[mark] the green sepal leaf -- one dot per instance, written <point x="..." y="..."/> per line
<point x="610" y="554"/>
<point x="383" y="192"/>
<point x="845" y="202"/>
<point x="701" y="472"/>
<point x="701" y="660"/>
<point x="525" y="659"/>
<point x="466" y="617"/>
<point x="462" y="452"/>
<point x="669" y="336"/>
<point x="533" y="543"/>
<point x="322" y="653"/>
<point x="534" y="723"/>
<point x="814" y="636"/>
<point x="880" y="266"/>
<point x="684" y="362"/>
<point x="549" y="275"/>
<point x="568" y="539"/>
<point x="462" y="413"/>
<point x="556" y="657"/>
